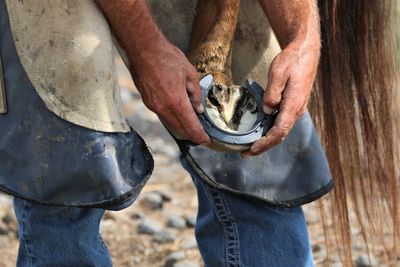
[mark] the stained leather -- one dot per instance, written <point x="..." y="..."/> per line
<point x="290" y="174"/>
<point x="67" y="51"/>
<point x="48" y="160"/>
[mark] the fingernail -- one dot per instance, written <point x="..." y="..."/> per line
<point x="206" y="143"/>
<point x="200" y="108"/>
<point x="268" y="110"/>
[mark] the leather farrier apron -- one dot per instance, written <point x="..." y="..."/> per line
<point x="290" y="174"/>
<point x="63" y="136"/>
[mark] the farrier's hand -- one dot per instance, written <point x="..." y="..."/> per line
<point x="169" y="87"/>
<point x="167" y="82"/>
<point x="290" y="80"/>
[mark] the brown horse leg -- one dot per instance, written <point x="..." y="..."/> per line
<point x="212" y="36"/>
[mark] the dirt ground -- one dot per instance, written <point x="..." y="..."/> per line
<point x="169" y="193"/>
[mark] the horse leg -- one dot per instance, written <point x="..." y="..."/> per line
<point x="212" y="37"/>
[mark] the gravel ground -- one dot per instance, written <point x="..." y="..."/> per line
<point x="158" y="229"/>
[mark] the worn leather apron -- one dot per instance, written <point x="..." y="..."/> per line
<point x="62" y="138"/>
<point x="290" y="174"/>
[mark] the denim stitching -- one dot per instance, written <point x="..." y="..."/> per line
<point x="230" y="230"/>
<point x="22" y="234"/>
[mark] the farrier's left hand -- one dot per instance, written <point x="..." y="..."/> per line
<point x="290" y="80"/>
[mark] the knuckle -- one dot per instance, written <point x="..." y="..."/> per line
<point x="283" y="130"/>
<point x="276" y="70"/>
<point x="170" y="104"/>
<point x="271" y="100"/>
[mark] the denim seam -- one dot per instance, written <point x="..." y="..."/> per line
<point x="230" y="229"/>
<point x="22" y="234"/>
<point x="103" y="245"/>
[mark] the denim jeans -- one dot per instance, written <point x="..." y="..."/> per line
<point x="230" y="231"/>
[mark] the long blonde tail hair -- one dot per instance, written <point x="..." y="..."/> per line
<point x="354" y="107"/>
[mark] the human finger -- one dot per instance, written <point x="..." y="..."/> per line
<point x="277" y="79"/>
<point x="194" y="93"/>
<point x="189" y="122"/>
<point x="283" y="124"/>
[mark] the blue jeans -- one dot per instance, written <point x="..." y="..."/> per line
<point x="230" y="231"/>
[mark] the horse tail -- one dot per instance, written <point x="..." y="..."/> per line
<point x="354" y="108"/>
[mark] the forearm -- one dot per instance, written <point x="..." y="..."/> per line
<point x="292" y="72"/>
<point x="133" y="25"/>
<point x="294" y="21"/>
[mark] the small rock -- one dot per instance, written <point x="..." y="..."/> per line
<point x="189" y="243"/>
<point x="312" y="217"/>
<point x="136" y="216"/>
<point x="141" y="248"/>
<point x="166" y="196"/>
<point x="5" y="200"/>
<point x="187" y="264"/>
<point x="108" y="215"/>
<point x="106" y="225"/>
<point x="365" y="261"/>
<point x="149" y="227"/>
<point x="164" y="237"/>
<point x="126" y="96"/>
<point x="3" y="229"/>
<point x="153" y="200"/>
<point x="175" y="221"/>
<point x="9" y="218"/>
<point x="190" y="221"/>
<point x="136" y="259"/>
<point x="316" y="248"/>
<point x="173" y="258"/>
<point x="10" y="222"/>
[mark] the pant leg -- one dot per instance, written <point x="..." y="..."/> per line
<point x="59" y="236"/>
<point x="234" y="231"/>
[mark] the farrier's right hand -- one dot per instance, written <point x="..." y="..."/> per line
<point x="169" y="86"/>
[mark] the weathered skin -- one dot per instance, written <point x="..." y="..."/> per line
<point x="254" y="45"/>
<point x="212" y="41"/>
<point x="157" y="66"/>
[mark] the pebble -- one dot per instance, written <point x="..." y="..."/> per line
<point x="153" y="200"/>
<point x="136" y="259"/>
<point x="9" y="218"/>
<point x="3" y="229"/>
<point x="10" y="222"/>
<point x="5" y="200"/>
<point x="190" y="221"/>
<point x="365" y="261"/>
<point x="106" y="225"/>
<point x="312" y="217"/>
<point x="187" y="264"/>
<point x="176" y="221"/>
<point x="189" y="243"/>
<point x="126" y="96"/>
<point x="149" y="227"/>
<point x="137" y="216"/>
<point x="173" y="258"/>
<point x="316" y="248"/>
<point x="164" y="237"/>
<point x="166" y="195"/>
<point x="108" y="215"/>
